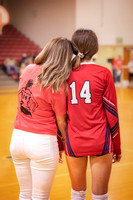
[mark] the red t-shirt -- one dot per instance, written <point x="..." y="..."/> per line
<point x="93" y="126"/>
<point x="37" y="108"/>
<point x="118" y="64"/>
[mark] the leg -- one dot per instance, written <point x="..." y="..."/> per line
<point x="129" y="77"/>
<point x="42" y="181"/>
<point x="23" y="172"/>
<point x="77" y="170"/>
<point x="22" y="165"/>
<point x="118" y="78"/>
<point x="15" y="69"/>
<point x="8" y="68"/>
<point x="100" y="169"/>
<point x="45" y="157"/>
<point x="114" y="75"/>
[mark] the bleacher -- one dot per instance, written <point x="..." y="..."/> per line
<point x="13" y="42"/>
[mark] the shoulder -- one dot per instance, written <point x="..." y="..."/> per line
<point x="103" y="73"/>
<point x="29" y="68"/>
<point x="100" y="68"/>
<point x="93" y="69"/>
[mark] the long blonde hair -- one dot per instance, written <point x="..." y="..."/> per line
<point x="55" y="60"/>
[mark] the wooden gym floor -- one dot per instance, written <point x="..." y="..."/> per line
<point x="121" y="181"/>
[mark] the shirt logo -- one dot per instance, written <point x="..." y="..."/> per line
<point x="26" y="100"/>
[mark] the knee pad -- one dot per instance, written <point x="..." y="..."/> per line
<point x="78" y="195"/>
<point x="100" y="197"/>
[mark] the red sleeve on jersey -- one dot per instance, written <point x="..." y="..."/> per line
<point x="110" y="104"/>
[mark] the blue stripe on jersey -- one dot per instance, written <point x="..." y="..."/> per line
<point x="116" y="115"/>
<point x="113" y="112"/>
<point x="110" y="105"/>
<point x="115" y="128"/>
<point x="107" y="141"/>
<point x="70" y="151"/>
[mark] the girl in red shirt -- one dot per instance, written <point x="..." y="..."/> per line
<point x="41" y="107"/>
<point x="93" y="125"/>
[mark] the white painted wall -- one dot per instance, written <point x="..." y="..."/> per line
<point x="108" y="18"/>
<point x="42" y="20"/>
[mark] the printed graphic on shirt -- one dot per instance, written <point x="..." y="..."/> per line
<point x="27" y="101"/>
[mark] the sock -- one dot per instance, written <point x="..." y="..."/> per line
<point x="78" y="195"/>
<point x="100" y="197"/>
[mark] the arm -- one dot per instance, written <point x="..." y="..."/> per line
<point x="59" y="107"/>
<point x="61" y="122"/>
<point x="110" y="105"/>
<point x="58" y="103"/>
<point x="61" y="125"/>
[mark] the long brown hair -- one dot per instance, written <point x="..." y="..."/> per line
<point x="85" y="44"/>
<point x="55" y="60"/>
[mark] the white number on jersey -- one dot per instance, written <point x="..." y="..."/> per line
<point x="74" y="99"/>
<point x="84" y="93"/>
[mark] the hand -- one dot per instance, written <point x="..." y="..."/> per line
<point x="60" y="152"/>
<point x="60" y="157"/>
<point x="61" y="142"/>
<point x="116" y="158"/>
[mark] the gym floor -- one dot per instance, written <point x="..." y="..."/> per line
<point x="121" y="180"/>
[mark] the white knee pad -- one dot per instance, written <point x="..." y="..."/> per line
<point x="100" y="197"/>
<point x="78" y="195"/>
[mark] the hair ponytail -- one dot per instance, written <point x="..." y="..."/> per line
<point x="85" y="45"/>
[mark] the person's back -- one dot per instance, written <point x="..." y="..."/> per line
<point x="41" y="108"/>
<point x="93" y="125"/>
<point x="86" y="114"/>
<point x="35" y="105"/>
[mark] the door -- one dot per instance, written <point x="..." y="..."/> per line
<point x="126" y="58"/>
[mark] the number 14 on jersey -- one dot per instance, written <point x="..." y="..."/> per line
<point x="84" y="92"/>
